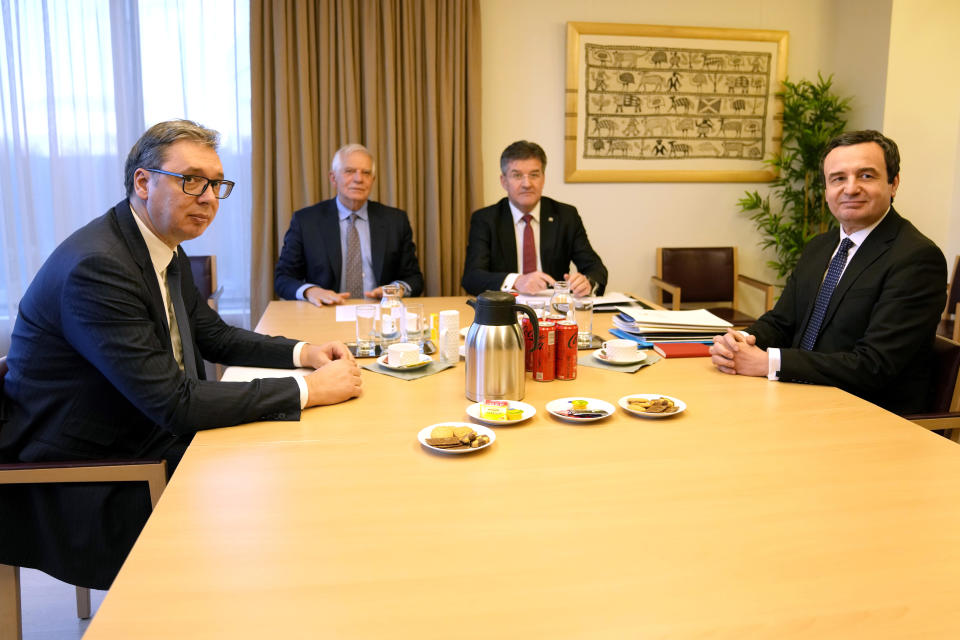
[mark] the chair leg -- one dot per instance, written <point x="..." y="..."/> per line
<point x="11" y="623"/>
<point x="83" y="603"/>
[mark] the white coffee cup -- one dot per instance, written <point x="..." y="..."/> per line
<point x="620" y="350"/>
<point x="403" y="354"/>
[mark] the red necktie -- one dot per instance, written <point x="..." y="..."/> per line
<point x="529" y="247"/>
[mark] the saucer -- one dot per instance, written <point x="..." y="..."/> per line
<point x="528" y="412"/>
<point x="600" y="354"/>
<point x="424" y="360"/>
<point x="560" y="406"/>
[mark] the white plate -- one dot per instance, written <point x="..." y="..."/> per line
<point x="463" y="331"/>
<point x="528" y="412"/>
<point x="601" y="355"/>
<point x="424" y="360"/>
<point x="681" y="405"/>
<point x="556" y="407"/>
<point x="480" y="429"/>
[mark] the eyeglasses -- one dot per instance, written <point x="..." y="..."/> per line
<point x="197" y="185"/>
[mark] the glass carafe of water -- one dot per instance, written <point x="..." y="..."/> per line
<point x="562" y="301"/>
<point x="392" y="317"/>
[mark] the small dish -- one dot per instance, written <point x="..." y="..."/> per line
<point x="601" y="355"/>
<point x="480" y="429"/>
<point x="561" y="406"/>
<point x="624" y="404"/>
<point x="424" y="360"/>
<point x="528" y="412"/>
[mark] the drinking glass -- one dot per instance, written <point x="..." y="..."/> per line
<point x="366" y="331"/>
<point x="584" y="307"/>
<point x="416" y="325"/>
<point x="561" y="303"/>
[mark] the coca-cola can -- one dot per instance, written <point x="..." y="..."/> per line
<point x="529" y="347"/>
<point x="545" y="356"/>
<point x="566" y="350"/>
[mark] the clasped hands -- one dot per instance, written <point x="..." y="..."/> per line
<point x="537" y="281"/>
<point x="319" y="296"/>
<point x="735" y="352"/>
<point x="336" y="377"/>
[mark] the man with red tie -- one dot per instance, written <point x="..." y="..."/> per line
<point x="526" y="242"/>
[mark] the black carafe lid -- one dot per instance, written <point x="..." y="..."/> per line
<point x="495" y="308"/>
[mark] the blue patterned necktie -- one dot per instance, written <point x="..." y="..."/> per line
<point x="823" y="297"/>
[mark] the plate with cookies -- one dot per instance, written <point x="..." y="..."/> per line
<point x="651" y="405"/>
<point x="456" y="437"/>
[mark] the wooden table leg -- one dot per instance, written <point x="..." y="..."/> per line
<point x="11" y="624"/>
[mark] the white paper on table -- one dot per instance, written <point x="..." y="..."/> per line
<point x="613" y="297"/>
<point x="688" y="318"/>
<point x="246" y="374"/>
<point x="346" y="313"/>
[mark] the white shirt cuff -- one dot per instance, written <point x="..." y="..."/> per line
<point x="509" y="281"/>
<point x="773" y="363"/>
<point x="304" y="392"/>
<point x="406" y="288"/>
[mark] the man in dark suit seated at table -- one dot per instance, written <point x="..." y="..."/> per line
<point x="348" y="246"/>
<point x="526" y="242"/>
<point x="106" y="362"/>
<point x="861" y="308"/>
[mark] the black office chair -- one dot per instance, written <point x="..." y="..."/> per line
<point x="944" y="413"/>
<point x="154" y="473"/>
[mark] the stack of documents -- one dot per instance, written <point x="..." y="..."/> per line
<point x="696" y="325"/>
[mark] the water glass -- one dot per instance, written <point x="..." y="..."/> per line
<point x="584" y="307"/>
<point x="416" y="325"/>
<point x="366" y="330"/>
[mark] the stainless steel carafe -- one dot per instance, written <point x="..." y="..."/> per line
<point x="494" y="347"/>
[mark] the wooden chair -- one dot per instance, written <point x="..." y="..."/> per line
<point x="944" y="413"/>
<point x="705" y="277"/>
<point x="154" y="473"/>
<point x="204" y="269"/>
<point x="949" y="327"/>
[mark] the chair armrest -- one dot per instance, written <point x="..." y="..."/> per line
<point x="153" y="472"/>
<point x="766" y="287"/>
<point x="216" y="294"/>
<point x="670" y="288"/>
<point x="956" y="324"/>
<point x="947" y="421"/>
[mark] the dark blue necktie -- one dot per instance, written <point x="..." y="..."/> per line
<point x="823" y="297"/>
<point x="183" y="321"/>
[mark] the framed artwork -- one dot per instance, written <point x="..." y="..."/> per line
<point x="672" y="104"/>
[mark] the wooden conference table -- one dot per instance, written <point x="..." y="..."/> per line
<point x="764" y="510"/>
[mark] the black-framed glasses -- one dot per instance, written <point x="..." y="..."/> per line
<point x="196" y="185"/>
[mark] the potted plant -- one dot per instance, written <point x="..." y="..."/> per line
<point x="812" y="115"/>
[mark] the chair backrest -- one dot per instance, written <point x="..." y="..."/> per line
<point x="705" y="274"/>
<point x="946" y="391"/>
<point x="204" y="270"/>
<point x="953" y="291"/>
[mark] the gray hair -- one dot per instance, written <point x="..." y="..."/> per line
<point x="150" y="150"/>
<point x="346" y="150"/>
<point x="522" y="150"/>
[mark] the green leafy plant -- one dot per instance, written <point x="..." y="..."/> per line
<point x="812" y="115"/>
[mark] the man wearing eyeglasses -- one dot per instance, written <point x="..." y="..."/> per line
<point x="526" y="241"/>
<point x="106" y="361"/>
<point x="348" y="246"/>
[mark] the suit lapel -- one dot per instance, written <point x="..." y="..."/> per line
<point x="507" y="233"/>
<point x="131" y="235"/>
<point x="330" y="233"/>
<point x="378" y="239"/>
<point x="876" y="244"/>
<point x="548" y="236"/>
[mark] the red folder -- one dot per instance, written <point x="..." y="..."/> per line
<point x="682" y="349"/>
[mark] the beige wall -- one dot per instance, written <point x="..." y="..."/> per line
<point x="524" y="46"/>
<point x="923" y="116"/>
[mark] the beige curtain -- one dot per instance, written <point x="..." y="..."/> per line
<point x="399" y="76"/>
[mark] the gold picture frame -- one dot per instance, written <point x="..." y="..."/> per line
<point x="648" y="103"/>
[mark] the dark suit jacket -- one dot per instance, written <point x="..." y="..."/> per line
<point x="492" y="246"/>
<point x="92" y="375"/>
<point x="311" y="249"/>
<point x="877" y="336"/>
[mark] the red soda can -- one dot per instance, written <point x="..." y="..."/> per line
<point x="545" y="357"/>
<point x="566" y="350"/>
<point x="529" y="348"/>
